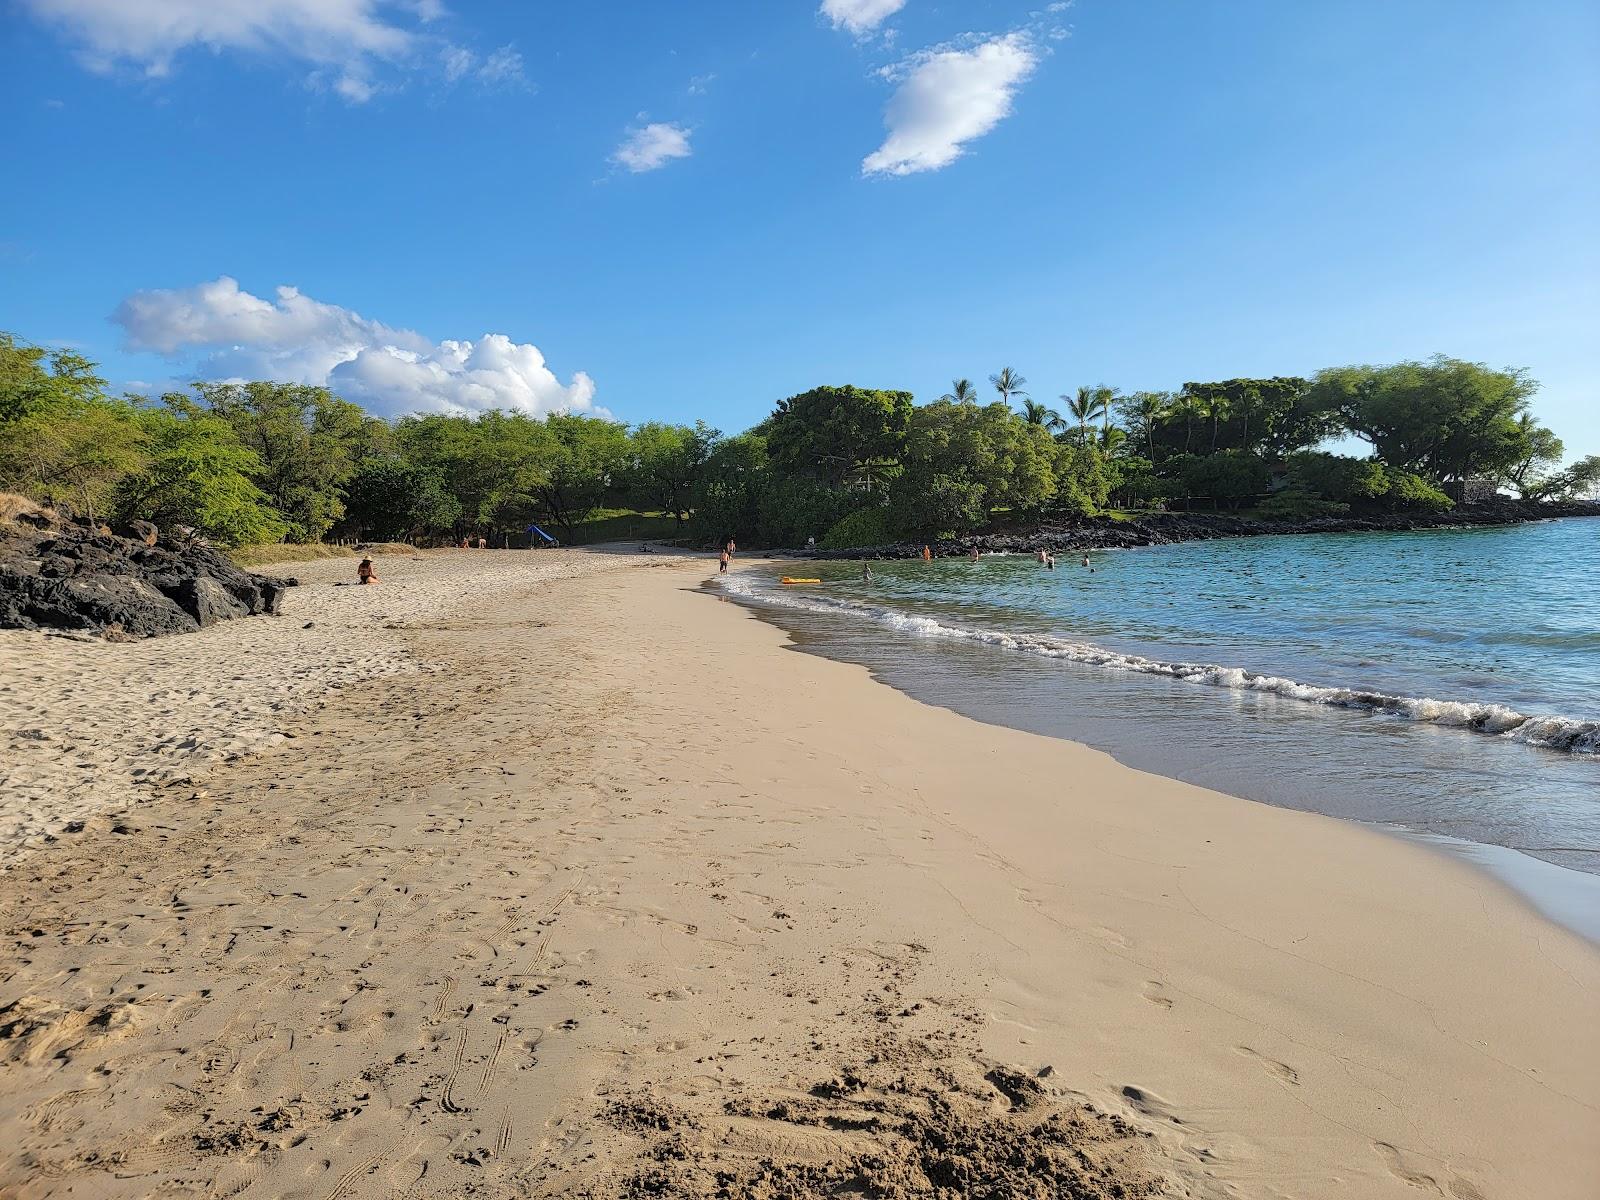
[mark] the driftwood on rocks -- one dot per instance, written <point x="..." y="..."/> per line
<point x="68" y="574"/>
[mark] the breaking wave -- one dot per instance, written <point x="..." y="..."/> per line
<point x="1566" y="734"/>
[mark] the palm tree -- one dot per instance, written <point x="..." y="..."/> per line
<point x="1035" y="413"/>
<point x="1112" y="438"/>
<point x="1185" y="407"/>
<point x="1144" y="410"/>
<point x="1085" y="407"/>
<point x="961" y="392"/>
<point x="1008" y="383"/>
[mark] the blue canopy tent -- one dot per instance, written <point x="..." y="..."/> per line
<point x="534" y="529"/>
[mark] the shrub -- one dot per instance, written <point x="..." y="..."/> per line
<point x="1415" y="494"/>
<point x="1297" y="504"/>
<point x="864" y="527"/>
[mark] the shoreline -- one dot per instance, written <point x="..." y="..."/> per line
<point x="1564" y="894"/>
<point x="662" y="894"/>
<point x="1173" y="528"/>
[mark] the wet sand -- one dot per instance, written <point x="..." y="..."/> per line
<point x="600" y="891"/>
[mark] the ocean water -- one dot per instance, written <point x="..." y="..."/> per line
<point x="1445" y="683"/>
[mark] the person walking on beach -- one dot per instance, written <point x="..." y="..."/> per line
<point x="730" y="547"/>
<point x="723" y="569"/>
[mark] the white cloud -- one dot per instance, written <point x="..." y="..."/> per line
<point x="947" y="98"/>
<point x="655" y="145"/>
<point x="860" y="17"/>
<point x="390" y="371"/>
<point x="345" y="42"/>
<point x="148" y="34"/>
<point x="502" y="66"/>
<point x="457" y="61"/>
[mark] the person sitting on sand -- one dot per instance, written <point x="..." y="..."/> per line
<point x="365" y="572"/>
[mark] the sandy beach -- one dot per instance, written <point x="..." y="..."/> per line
<point x="553" y="874"/>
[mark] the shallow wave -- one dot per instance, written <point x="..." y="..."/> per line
<point x="1566" y="734"/>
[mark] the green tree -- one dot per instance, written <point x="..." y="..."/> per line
<point x="727" y="493"/>
<point x="196" y="474"/>
<point x="393" y="499"/>
<point x="961" y="392"/>
<point x="1035" y="412"/>
<point x="1008" y="383"/>
<point x="1542" y="450"/>
<point x="963" y="461"/>
<point x="1228" y="476"/>
<point x="1088" y="404"/>
<point x="1143" y="411"/>
<point x="666" y="464"/>
<point x="589" y="455"/>
<point x="62" y="440"/>
<point x="840" y="436"/>
<point x="308" y="442"/>
<point x="1445" y="419"/>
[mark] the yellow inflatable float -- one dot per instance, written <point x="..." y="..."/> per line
<point x="792" y="579"/>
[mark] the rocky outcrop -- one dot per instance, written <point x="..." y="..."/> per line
<point x="1160" y="529"/>
<point x="69" y="574"/>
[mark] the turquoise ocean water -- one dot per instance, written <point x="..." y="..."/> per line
<point x="1445" y="683"/>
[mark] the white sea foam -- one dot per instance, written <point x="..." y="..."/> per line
<point x="1566" y="734"/>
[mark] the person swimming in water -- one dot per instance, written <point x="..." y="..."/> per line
<point x="866" y="573"/>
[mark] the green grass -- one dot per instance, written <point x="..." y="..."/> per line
<point x="620" y="525"/>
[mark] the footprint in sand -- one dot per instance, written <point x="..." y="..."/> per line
<point x="1156" y="992"/>
<point x="1408" y="1167"/>
<point x="1272" y="1066"/>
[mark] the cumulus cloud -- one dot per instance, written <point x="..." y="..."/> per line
<point x="390" y="371"/>
<point x="653" y="146"/>
<point x="945" y="99"/>
<point x="860" y="17"/>
<point x="344" y="34"/>
<point x="347" y="43"/>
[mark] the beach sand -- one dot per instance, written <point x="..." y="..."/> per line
<point x="583" y="885"/>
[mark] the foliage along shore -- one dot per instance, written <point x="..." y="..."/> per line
<point x="1167" y="528"/>
<point x="264" y="462"/>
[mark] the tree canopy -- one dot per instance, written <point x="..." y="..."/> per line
<point x="261" y="461"/>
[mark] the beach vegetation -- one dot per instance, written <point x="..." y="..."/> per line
<point x="249" y="462"/>
<point x="863" y="527"/>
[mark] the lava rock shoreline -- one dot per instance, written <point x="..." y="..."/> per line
<point x="1162" y="529"/>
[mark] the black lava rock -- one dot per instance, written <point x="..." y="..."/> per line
<point x="70" y="574"/>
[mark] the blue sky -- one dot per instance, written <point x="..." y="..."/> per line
<point x="670" y="211"/>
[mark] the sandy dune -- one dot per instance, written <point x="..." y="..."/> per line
<point x="618" y="898"/>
